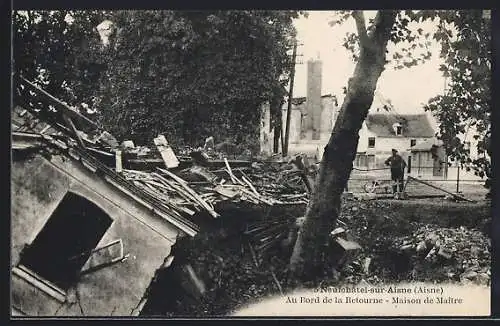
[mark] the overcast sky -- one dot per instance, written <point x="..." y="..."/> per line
<point x="407" y="89"/>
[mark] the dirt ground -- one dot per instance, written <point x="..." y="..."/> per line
<point x="390" y="232"/>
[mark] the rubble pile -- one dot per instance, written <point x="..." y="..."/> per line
<point x="463" y="254"/>
<point x="199" y="188"/>
<point x="396" y="246"/>
<point x="228" y="262"/>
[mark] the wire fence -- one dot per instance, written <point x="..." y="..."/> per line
<point x="378" y="180"/>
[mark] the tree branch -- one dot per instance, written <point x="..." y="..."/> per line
<point x="361" y="27"/>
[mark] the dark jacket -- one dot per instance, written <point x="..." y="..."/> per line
<point x="396" y="163"/>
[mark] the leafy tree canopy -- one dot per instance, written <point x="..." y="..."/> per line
<point x="187" y="74"/>
<point x="55" y="49"/>
<point x="194" y="74"/>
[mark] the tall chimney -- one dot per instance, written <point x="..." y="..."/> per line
<point x="313" y="101"/>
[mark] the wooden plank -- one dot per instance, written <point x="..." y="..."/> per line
<point x="251" y="185"/>
<point x="32" y="278"/>
<point x="89" y="165"/>
<point x="176" y="188"/>
<point x="75" y="131"/>
<point x="200" y="200"/>
<point x="187" y="229"/>
<point x="97" y="151"/>
<point x="166" y="152"/>
<point x="57" y="103"/>
<point x="277" y="282"/>
<point x="47" y="127"/>
<point x="104" y="255"/>
<point x="231" y="174"/>
<point x="73" y="154"/>
<point x="118" y="161"/>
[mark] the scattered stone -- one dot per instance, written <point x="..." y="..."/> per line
<point x="366" y="265"/>
<point x="431" y="239"/>
<point x="407" y="247"/>
<point x="469" y="275"/>
<point x="337" y="231"/>
<point x="421" y="246"/>
<point x="348" y="245"/>
<point x="483" y="279"/>
<point x="127" y="144"/>
<point x="445" y="253"/>
<point x="348" y="195"/>
<point x="363" y="283"/>
<point x="299" y="221"/>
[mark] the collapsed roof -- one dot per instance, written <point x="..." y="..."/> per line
<point x="41" y="120"/>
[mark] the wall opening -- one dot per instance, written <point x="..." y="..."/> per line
<point x="398" y="129"/>
<point x="66" y="241"/>
<point x="371" y="142"/>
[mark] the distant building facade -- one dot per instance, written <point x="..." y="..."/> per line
<point x="311" y="118"/>
<point x="381" y="132"/>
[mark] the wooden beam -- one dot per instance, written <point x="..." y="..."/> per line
<point x="118" y="162"/>
<point x="74" y="130"/>
<point x="58" y="104"/>
<point x="166" y="152"/>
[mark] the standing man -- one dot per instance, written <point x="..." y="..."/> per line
<point x="398" y="166"/>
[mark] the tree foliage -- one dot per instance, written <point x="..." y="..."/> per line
<point x="55" y="50"/>
<point x="465" y="109"/>
<point x="186" y="74"/>
<point x="194" y="74"/>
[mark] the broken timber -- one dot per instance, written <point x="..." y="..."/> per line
<point x="166" y="152"/>
<point x="64" y="108"/>
<point x="191" y="192"/>
<point x="456" y="196"/>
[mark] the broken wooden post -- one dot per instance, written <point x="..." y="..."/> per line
<point x="71" y="125"/>
<point x="191" y="282"/>
<point x="118" y="161"/>
<point x="166" y="152"/>
<point x="209" y="144"/>
<point x="127" y="145"/>
<point x="302" y="165"/>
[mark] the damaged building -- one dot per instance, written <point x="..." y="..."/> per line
<point x="311" y="117"/>
<point x="84" y="239"/>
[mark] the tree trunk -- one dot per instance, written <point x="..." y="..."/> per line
<point x="276" y="137"/>
<point x="306" y="262"/>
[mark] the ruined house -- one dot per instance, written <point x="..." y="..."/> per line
<point x="84" y="239"/>
<point x="311" y="117"/>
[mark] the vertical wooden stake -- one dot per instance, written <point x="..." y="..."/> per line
<point x="118" y="161"/>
